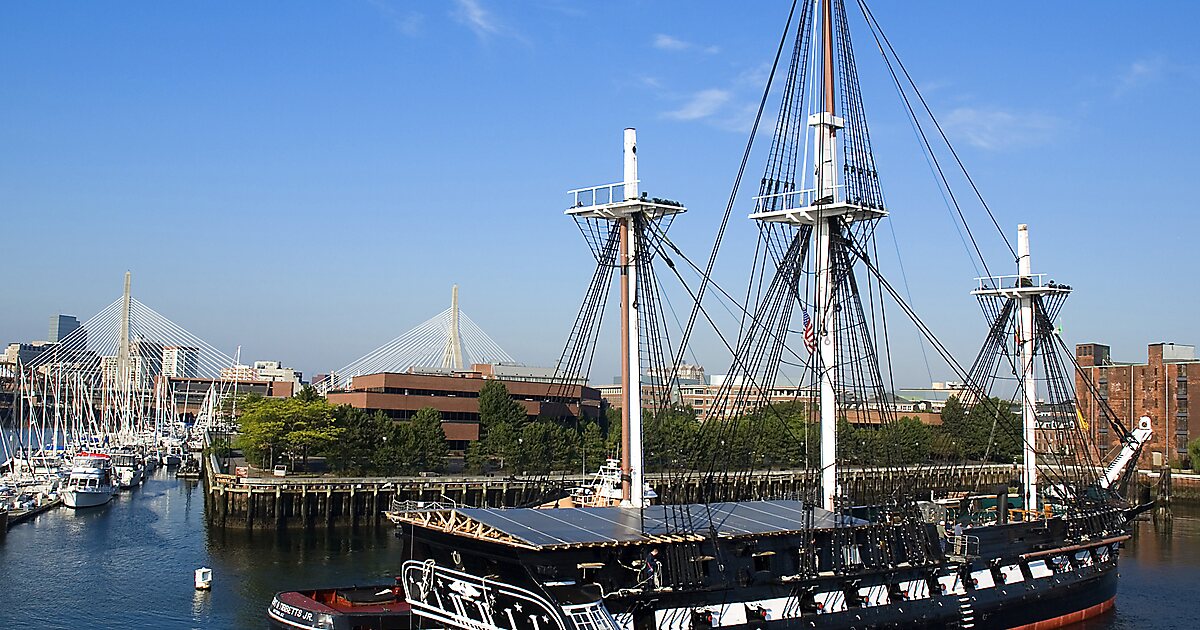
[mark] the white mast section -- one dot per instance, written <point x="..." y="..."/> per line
<point x="633" y="366"/>
<point x="453" y="356"/>
<point x="1028" y="378"/>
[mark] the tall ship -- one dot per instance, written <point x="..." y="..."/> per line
<point x="859" y="544"/>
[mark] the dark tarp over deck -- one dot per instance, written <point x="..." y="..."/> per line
<point x="555" y="527"/>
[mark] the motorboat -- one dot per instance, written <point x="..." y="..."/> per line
<point x="91" y="482"/>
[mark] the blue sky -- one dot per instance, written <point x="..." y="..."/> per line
<point x="307" y="180"/>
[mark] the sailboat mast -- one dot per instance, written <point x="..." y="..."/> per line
<point x="1029" y="381"/>
<point x="824" y="309"/>
<point x="632" y="469"/>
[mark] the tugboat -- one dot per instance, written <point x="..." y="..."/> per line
<point x="836" y="554"/>
<point x="375" y="607"/>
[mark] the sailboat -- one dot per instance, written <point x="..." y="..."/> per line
<point x="835" y="555"/>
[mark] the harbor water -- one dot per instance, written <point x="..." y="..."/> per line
<point x="130" y="564"/>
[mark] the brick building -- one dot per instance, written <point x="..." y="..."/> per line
<point x="1159" y="388"/>
<point x="456" y="396"/>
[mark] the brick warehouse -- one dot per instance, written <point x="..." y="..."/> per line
<point x="1159" y="388"/>
<point x="456" y="396"/>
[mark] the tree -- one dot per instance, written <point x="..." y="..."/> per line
<point x="670" y="438"/>
<point x="495" y="406"/>
<point x="989" y="429"/>
<point x="396" y="450"/>
<point x="362" y="435"/>
<point x="308" y="394"/>
<point x="293" y="428"/>
<point x="905" y="441"/>
<point x="429" y="440"/>
<point x="593" y="449"/>
<point x="1194" y="454"/>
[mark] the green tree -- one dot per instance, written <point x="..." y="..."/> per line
<point x="429" y="440"/>
<point x="362" y="434"/>
<point x="989" y="429"/>
<point x="1194" y="454"/>
<point x="495" y="406"/>
<point x="541" y="448"/>
<point x="593" y="450"/>
<point x="287" y="427"/>
<point x="396" y="453"/>
<point x="308" y="394"/>
<point x="905" y="441"/>
<point x="669" y="439"/>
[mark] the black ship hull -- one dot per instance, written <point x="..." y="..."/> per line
<point x="1038" y="575"/>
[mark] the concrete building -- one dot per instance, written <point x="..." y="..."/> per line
<point x="24" y="353"/>
<point x="933" y="398"/>
<point x="456" y="396"/>
<point x="1159" y="388"/>
<point x="275" y="371"/>
<point x="239" y="373"/>
<point x="181" y="361"/>
<point x="61" y="326"/>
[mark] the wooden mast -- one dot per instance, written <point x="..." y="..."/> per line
<point x="623" y="227"/>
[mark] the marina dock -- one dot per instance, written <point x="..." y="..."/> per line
<point x="16" y="517"/>
<point x="313" y="502"/>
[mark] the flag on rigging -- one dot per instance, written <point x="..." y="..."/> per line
<point x="810" y="336"/>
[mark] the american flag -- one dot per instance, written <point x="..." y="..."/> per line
<point x="810" y="336"/>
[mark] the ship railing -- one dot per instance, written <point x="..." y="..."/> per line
<point x="460" y="600"/>
<point x="1015" y="281"/>
<point x="963" y="545"/>
<point x="599" y="195"/>
<point x="408" y="507"/>
<point x="790" y="199"/>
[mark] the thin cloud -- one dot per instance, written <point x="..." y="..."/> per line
<point x="701" y="105"/>
<point x="995" y="129"/>
<point x="1141" y="73"/>
<point x="651" y="82"/>
<point x="663" y="41"/>
<point x="481" y="21"/>
<point x="407" y="23"/>
<point x="666" y="42"/>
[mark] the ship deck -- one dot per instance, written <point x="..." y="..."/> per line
<point x="561" y="528"/>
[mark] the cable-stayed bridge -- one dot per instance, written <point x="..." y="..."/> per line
<point x="126" y="345"/>
<point x="449" y="340"/>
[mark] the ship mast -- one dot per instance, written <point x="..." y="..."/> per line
<point x="826" y="211"/>
<point x="623" y="204"/>
<point x="826" y="125"/>
<point x="1025" y="289"/>
<point x="1028" y="380"/>
<point x="632" y="458"/>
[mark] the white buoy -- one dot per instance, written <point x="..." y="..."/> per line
<point x="203" y="579"/>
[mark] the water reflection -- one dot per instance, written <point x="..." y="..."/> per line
<point x="1158" y="577"/>
<point x="131" y="564"/>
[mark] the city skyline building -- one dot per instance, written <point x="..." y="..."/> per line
<point x="181" y="361"/>
<point x="276" y="371"/>
<point x="61" y="326"/>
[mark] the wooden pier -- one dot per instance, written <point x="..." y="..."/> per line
<point x="16" y="517"/>
<point x="314" y="502"/>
